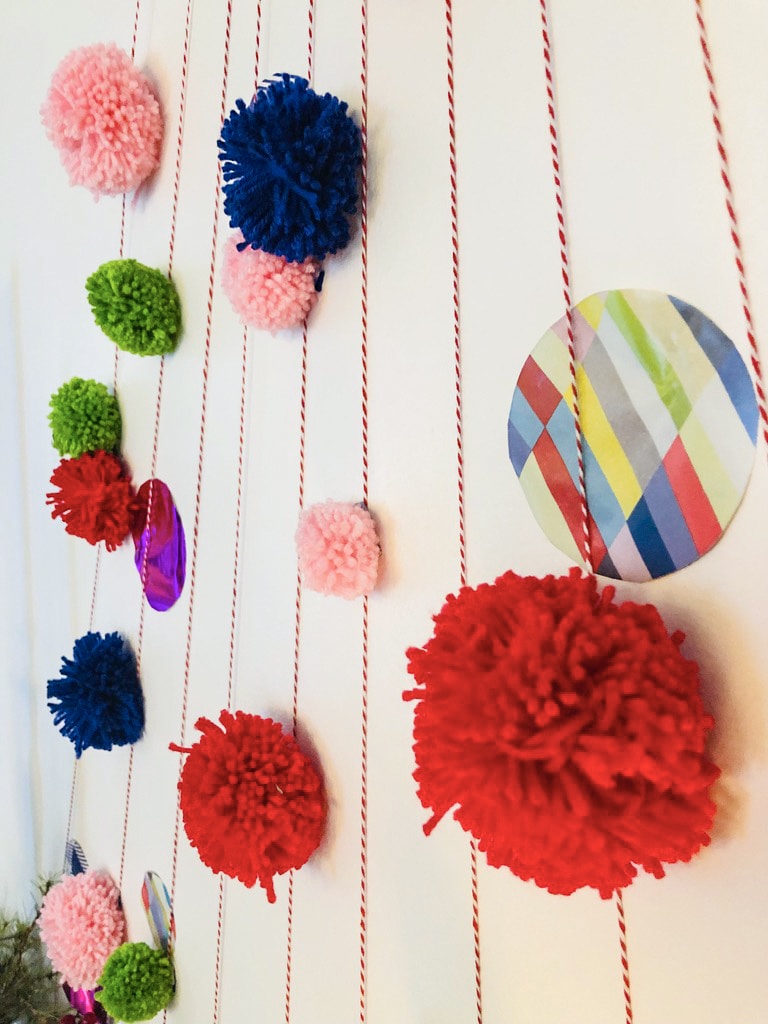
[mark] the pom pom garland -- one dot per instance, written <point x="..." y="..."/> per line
<point x="84" y="417"/>
<point x="338" y="549"/>
<point x="567" y="732"/>
<point x="137" y="982"/>
<point x="98" y="701"/>
<point x="253" y="803"/>
<point x="104" y="119"/>
<point x="94" y="499"/>
<point x="267" y="291"/>
<point x="82" y="923"/>
<point x="135" y="306"/>
<point x="290" y="162"/>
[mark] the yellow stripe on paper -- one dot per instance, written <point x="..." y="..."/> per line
<point x="723" y="496"/>
<point x="605" y="446"/>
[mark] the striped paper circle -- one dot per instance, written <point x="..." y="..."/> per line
<point x="668" y="419"/>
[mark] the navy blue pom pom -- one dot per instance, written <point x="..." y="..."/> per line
<point x="290" y="164"/>
<point x="98" y="700"/>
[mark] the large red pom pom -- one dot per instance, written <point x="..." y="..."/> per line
<point x="253" y="803"/>
<point x="95" y="498"/>
<point x="567" y="731"/>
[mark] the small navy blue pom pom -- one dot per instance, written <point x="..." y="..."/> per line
<point x="290" y="165"/>
<point x="98" y="700"/>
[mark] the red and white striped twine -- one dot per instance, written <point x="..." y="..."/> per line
<point x="730" y="205"/>
<point x="566" y="276"/>
<point x="459" y="418"/>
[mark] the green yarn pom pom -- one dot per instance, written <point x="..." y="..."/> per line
<point x="136" y="306"/>
<point x="84" y="417"/>
<point x="137" y="982"/>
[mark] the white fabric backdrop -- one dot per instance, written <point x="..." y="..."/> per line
<point x="645" y="209"/>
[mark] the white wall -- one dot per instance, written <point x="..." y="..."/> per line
<point x="645" y="209"/>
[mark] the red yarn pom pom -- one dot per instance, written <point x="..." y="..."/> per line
<point x="253" y="803"/>
<point x="567" y="731"/>
<point x="95" y="499"/>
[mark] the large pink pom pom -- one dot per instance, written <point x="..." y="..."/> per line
<point x="338" y="549"/>
<point x="267" y="291"/>
<point x="104" y="119"/>
<point x="82" y="923"/>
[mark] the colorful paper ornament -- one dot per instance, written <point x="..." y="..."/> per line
<point x="566" y="732"/>
<point x="668" y="419"/>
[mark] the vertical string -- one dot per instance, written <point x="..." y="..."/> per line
<point x="158" y="408"/>
<point x="730" y="205"/>
<point x="97" y="564"/>
<point x="567" y="298"/>
<point x="363" y="917"/>
<point x="297" y="603"/>
<point x="459" y="417"/>
<point x="200" y="462"/>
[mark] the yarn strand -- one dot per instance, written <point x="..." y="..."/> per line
<point x="567" y="298"/>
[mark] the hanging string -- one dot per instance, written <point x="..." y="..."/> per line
<point x="297" y="603"/>
<point x="97" y="562"/>
<point x="730" y="205"/>
<point x="233" y="620"/>
<point x="363" y="920"/>
<point x="459" y="417"/>
<point x="585" y="519"/>
<point x="200" y="461"/>
<point x="158" y="409"/>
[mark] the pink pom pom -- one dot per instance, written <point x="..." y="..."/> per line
<point x="104" y="119"/>
<point x="338" y="549"/>
<point x="82" y="923"/>
<point x="267" y="291"/>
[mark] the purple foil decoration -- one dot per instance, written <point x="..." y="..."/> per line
<point x="161" y="551"/>
<point x="84" y="1001"/>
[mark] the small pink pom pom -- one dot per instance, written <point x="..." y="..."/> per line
<point x="82" y="923"/>
<point x="104" y="119"/>
<point x="338" y="549"/>
<point x="267" y="291"/>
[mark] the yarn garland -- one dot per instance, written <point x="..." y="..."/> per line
<point x="98" y="702"/>
<point x="84" y="417"/>
<point x="137" y="982"/>
<point x="95" y="498"/>
<point x="338" y="549"/>
<point x="81" y="924"/>
<point x="566" y="732"/>
<point x="104" y="119"/>
<point x="291" y="161"/>
<point x="253" y="803"/>
<point x="266" y="291"/>
<point x="137" y="307"/>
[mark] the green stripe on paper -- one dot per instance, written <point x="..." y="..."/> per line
<point x="659" y="369"/>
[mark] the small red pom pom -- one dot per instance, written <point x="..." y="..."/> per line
<point x="567" y="731"/>
<point x="253" y="803"/>
<point x="95" y="499"/>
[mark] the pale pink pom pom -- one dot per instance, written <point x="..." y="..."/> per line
<point x="82" y="923"/>
<point x="104" y="119"/>
<point x="267" y="291"/>
<point x="338" y="549"/>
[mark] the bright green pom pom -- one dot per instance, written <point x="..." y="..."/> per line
<point x="84" y="417"/>
<point x="136" y="306"/>
<point x="137" y="982"/>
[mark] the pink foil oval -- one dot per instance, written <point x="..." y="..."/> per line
<point x="160" y="548"/>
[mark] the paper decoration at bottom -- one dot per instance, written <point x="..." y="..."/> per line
<point x="160" y="545"/>
<point x="668" y="419"/>
<point x="565" y="732"/>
